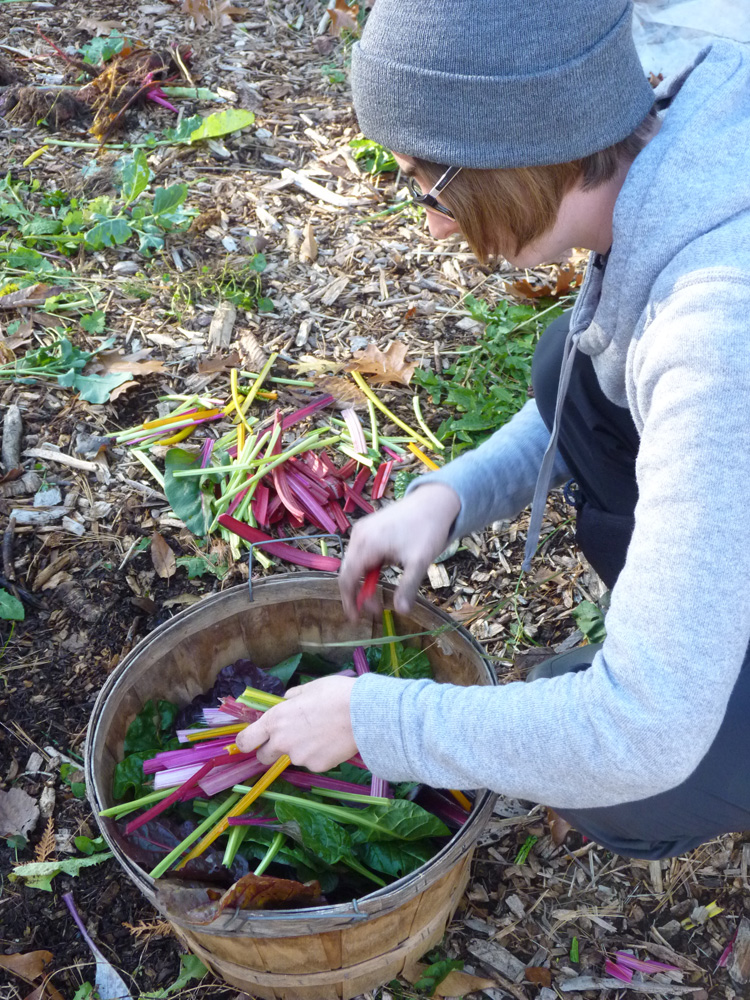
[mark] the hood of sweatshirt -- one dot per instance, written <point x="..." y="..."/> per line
<point x="677" y="212"/>
<point x="683" y="214"/>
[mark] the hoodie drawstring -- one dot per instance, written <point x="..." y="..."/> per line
<point x="545" y="470"/>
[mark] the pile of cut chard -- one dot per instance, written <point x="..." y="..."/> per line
<point x="270" y="835"/>
<point x="307" y="469"/>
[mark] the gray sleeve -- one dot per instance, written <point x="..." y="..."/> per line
<point x="642" y="717"/>
<point x="497" y="479"/>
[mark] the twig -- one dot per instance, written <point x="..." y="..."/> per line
<point x="8" y="567"/>
<point x="49" y="455"/>
<point x="321" y="193"/>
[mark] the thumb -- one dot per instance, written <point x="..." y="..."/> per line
<point x="252" y="737"/>
<point x="406" y="592"/>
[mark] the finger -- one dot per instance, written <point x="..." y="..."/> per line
<point x="406" y="592"/>
<point x="295" y="691"/>
<point x="266" y="755"/>
<point x="252" y="737"/>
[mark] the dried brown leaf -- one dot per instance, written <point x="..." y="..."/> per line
<point x="539" y="975"/>
<point x="251" y="353"/>
<point x="343" y="17"/>
<point x="559" y="828"/>
<point x="217" y="13"/>
<point x="162" y="556"/>
<point x="257" y="892"/>
<point x="567" y="278"/>
<point x="34" y="295"/>
<point x="384" y="366"/>
<point x="97" y="27"/>
<point x="345" y="392"/>
<point x="28" y="966"/>
<point x="19" y="813"/>
<point x="455" y="984"/>
<point x="46" y="846"/>
<point x="121" y="388"/>
<point x="114" y="362"/>
<point x="219" y="363"/>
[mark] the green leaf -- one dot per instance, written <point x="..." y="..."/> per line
<point x="89" y="846"/>
<point x="83" y="992"/>
<point x="222" y="123"/>
<point x="401" y="483"/>
<point x="93" y="322"/>
<point x="167" y="712"/>
<point x="93" y="388"/>
<point x="39" y="874"/>
<point x="286" y="668"/>
<point x="144" y="732"/>
<point x="434" y="974"/>
<point x="99" y="50"/>
<point x="191" y="968"/>
<point x="318" y="833"/>
<point x="400" y="820"/>
<point x="135" y="176"/>
<point x="110" y="233"/>
<point x="11" y="608"/>
<point x="40" y="226"/>
<point x="590" y="620"/>
<point x="183" y="131"/>
<point x="27" y="259"/>
<point x="77" y="787"/>
<point x="185" y="495"/>
<point x="200" y="565"/>
<point x="129" y="775"/>
<point x="394" y="857"/>
<point x="167" y="199"/>
<point x="376" y="159"/>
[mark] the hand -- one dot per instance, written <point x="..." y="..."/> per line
<point x="312" y="725"/>
<point x="410" y="533"/>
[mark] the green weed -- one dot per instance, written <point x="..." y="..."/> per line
<point x="489" y="381"/>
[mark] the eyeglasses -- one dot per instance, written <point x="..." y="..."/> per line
<point x="429" y="200"/>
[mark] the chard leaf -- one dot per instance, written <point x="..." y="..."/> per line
<point x="135" y="176"/>
<point x="222" y="123"/>
<point x="286" y="668"/>
<point x="184" y="495"/>
<point x="93" y="388"/>
<point x="318" y="833"/>
<point x="129" y="775"/>
<point x="110" y="233"/>
<point x="394" y="857"/>
<point x="399" y="820"/>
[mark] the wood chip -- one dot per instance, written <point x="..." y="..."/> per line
<point x="321" y="193"/>
<point x="222" y="324"/>
<point x="498" y="958"/>
<point x="581" y="983"/>
<point x="438" y="576"/>
<point x="738" y="965"/>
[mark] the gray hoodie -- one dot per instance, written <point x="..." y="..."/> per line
<point x="667" y="324"/>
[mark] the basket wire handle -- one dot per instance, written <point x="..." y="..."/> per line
<point x="283" y="541"/>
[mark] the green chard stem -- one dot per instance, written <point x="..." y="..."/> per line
<point x="236" y="835"/>
<point x="357" y="866"/>
<point x="340" y="813"/>
<point x="202" y="828"/>
<point x="273" y="849"/>
<point x="145" y="800"/>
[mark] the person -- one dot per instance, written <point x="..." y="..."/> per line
<point x="531" y="128"/>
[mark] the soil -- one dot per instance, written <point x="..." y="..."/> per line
<point x="90" y="597"/>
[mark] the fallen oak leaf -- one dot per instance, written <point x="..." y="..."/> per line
<point x="343" y="17"/>
<point x="345" y="393"/>
<point x="384" y="366"/>
<point x="134" y="364"/>
<point x="162" y="557"/>
<point x="538" y="975"/>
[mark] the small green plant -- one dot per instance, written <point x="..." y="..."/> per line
<point x="375" y="159"/>
<point x="70" y="775"/>
<point x="490" y="380"/>
<point x="11" y="608"/>
<point x="236" y="281"/>
<point x="100" y="50"/>
<point x="590" y="620"/>
<point x="62" y="361"/>
<point x="333" y="73"/>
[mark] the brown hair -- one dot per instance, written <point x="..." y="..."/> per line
<point x="517" y="205"/>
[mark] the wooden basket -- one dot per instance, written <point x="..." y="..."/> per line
<point x="324" y="952"/>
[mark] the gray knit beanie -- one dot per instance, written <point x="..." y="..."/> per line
<point x="499" y="83"/>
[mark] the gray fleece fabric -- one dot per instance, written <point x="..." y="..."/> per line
<point x="668" y="327"/>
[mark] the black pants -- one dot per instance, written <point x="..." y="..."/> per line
<point x="599" y="443"/>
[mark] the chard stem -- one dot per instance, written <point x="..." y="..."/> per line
<point x="384" y="409"/>
<point x="207" y="823"/>
<point x="127" y="807"/>
<point x="273" y="849"/>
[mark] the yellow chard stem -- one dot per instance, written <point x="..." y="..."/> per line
<point x="390" y="630"/>
<point x="421" y="456"/>
<point x="384" y="409"/>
